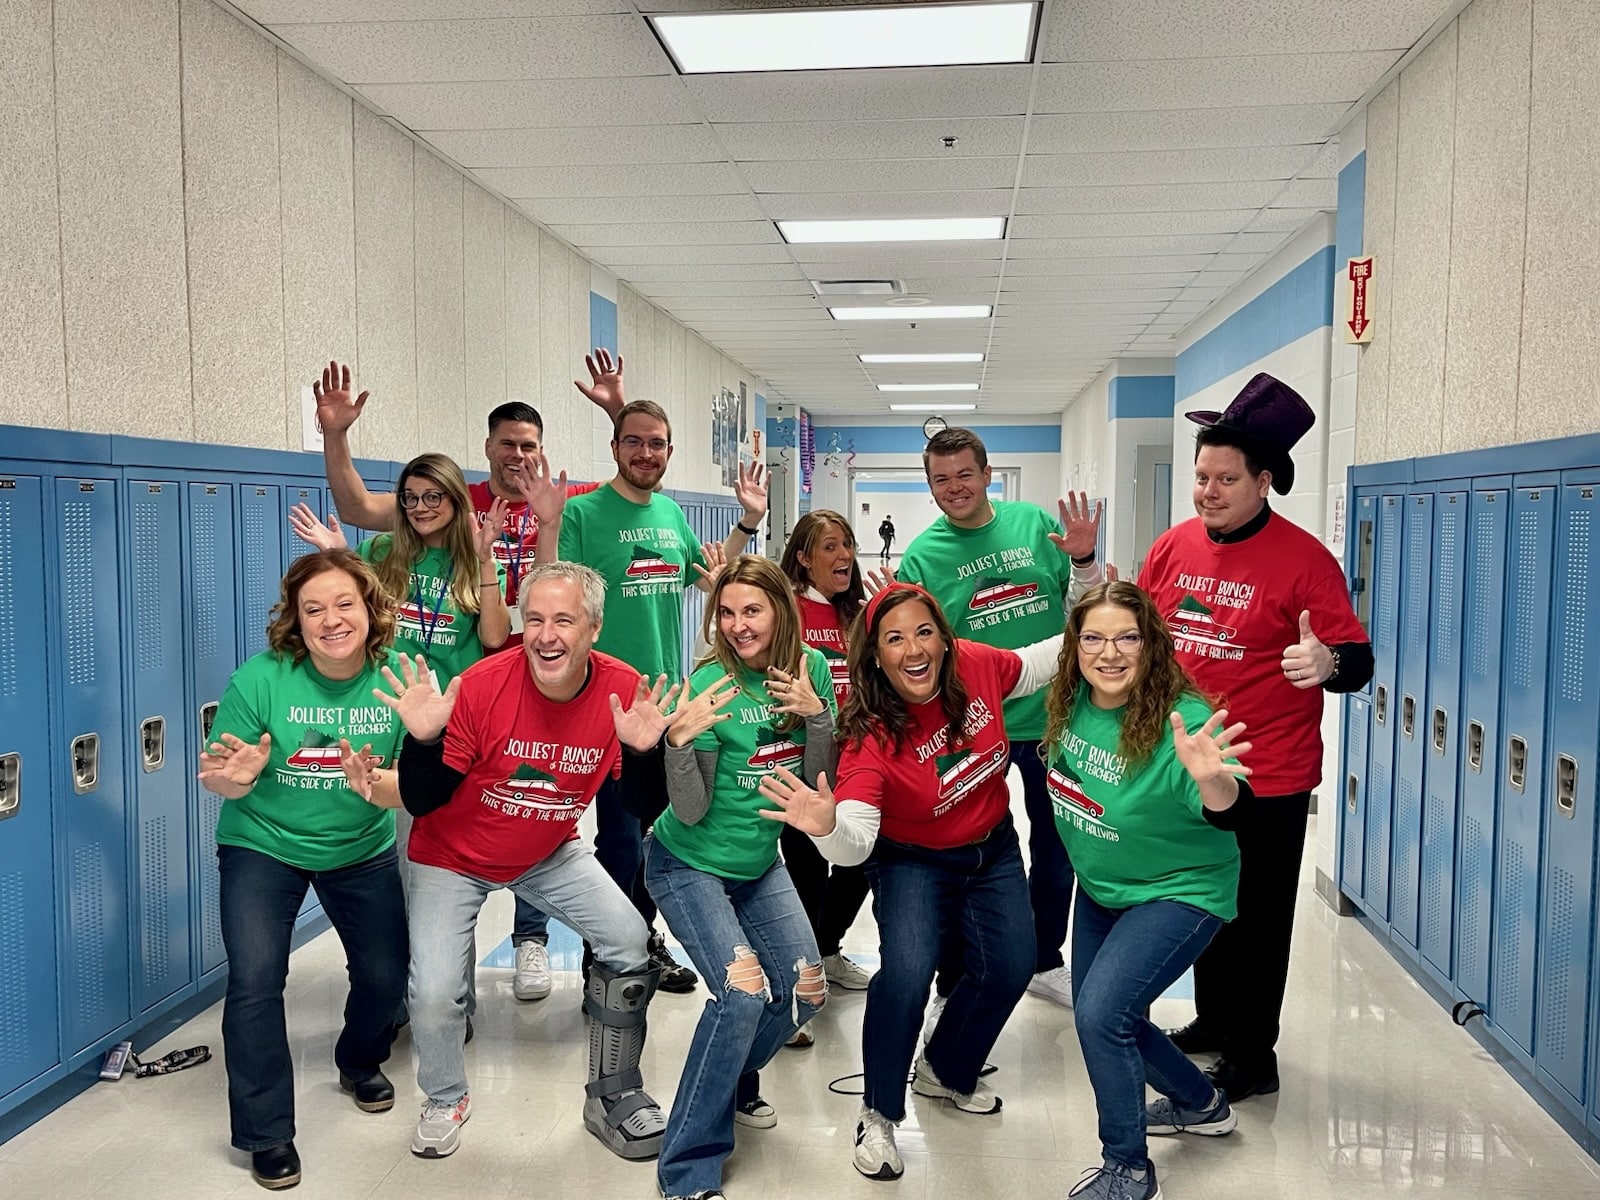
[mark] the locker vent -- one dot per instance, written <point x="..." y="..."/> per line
<point x="77" y="560"/>
<point x="153" y="888"/>
<point x="89" y="886"/>
<point x="1378" y="833"/>
<point x="1575" y="573"/>
<point x="1527" y="574"/>
<point x="8" y="607"/>
<point x="1468" y="963"/>
<point x="1484" y="588"/>
<point x="203" y="539"/>
<point x="150" y="581"/>
<point x="1435" y="914"/>
<point x="1418" y="568"/>
<point x="1560" y="1003"/>
<point x="1391" y="571"/>
<point x="1404" y="905"/>
<point x="211" y="948"/>
<point x="256" y="600"/>
<point x="1508" y="963"/>
<point x="17" y="1031"/>
<point x="1448" y="645"/>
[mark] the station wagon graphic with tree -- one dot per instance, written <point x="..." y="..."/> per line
<point x="1067" y="794"/>
<point x="1193" y="619"/>
<point x="648" y="564"/>
<point x="997" y="592"/>
<point x="774" y="749"/>
<point x="529" y="787"/>
<point x="317" y="752"/>
<point x="961" y="770"/>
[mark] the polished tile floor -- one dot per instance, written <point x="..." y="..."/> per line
<point x="1382" y="1096"/>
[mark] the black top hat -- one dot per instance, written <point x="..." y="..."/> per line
<point x="1265" y="420"/>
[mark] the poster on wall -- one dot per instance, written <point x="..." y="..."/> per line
<point x="727" y="433"/>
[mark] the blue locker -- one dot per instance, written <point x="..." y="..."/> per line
<point x="88" y="746"/>
<point x="1566" y="926"/>
<point x="1357" y="727"/>
<point x="28" y="955"/>
<point x="157" y="766"/>
<point x="262" y="527"/>
<point x="1488" y="519"/>
<point x="353" y="534"/>
<point x="212" y="598"/>
<point x="311" y="496"/>
<point x="1442" y="718"/>
<point x="1411" y="734"/>
<point x="1524" y="659"/>
<point x="1386" y="584"/>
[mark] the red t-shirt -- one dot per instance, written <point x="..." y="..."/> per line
<point x="929" y="794"/>
<point x="820" y="628"/>
<point x="1233" y="609"/>
<point x="519" y="538"/>
<point x="532" y="766"/>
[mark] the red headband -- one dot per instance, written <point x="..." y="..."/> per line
<point x="877" y="601"/>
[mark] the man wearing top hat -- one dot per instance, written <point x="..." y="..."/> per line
<point x="1261" y="616"/>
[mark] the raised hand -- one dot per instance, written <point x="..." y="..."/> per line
<point x="1204" y="753"/>
<point x="336" y="411"/>
<point x="486" y="529"/>
<point x="308" y="527"/>
<point x="875" y="581"/>
<point x="716" y="562"/>
<point x="1112" y="574"/>
<point x="808" y="809"/>
<point x="605" y="387"/>
<point x="360" y="768"/>
<point x="641" y="726"/>
<point x="545" y="495"/>
<point x="1082" y="530"/>
<point x="696" y="714"/>
<point x="1307" y="663"/>
<point x="415" y="696"/>
<point x="793" y="693"/>
<point x="751" y="492"/>
<point x="232" y="763"/>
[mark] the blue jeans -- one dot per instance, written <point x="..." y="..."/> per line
<point x="1122" y="960"/>
<point x="260" y="897"/>
<point x="444" y="912"/>
<point x="1050" y="876"/>
<point x="739" y="1031"/>
<point x="919" y="896"/>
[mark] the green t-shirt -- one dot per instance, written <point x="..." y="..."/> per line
<point x="1005" y="584"/>
<point x="301" y="811"/>
<point x="427" y="621"/>
<point x="1140" y="835"/>
<point x="644" y="553"/>
<point x="733" y="840"/>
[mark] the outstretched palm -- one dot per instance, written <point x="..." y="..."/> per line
<point x="640" y="726"/>
<point x="336" y="411"/>
<point x="751" y="492"/>
<point x="234" y="761"/>
<point x="1206" y="752"/>
<point x="1080" y="525"/>
<point x="423" y="710"/>
<point x="808" y="809"/>
<point x="605" y="387"/>
<point x="545" y="495"/>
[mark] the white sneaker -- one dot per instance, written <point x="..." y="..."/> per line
<point x="439" y="1128"/>
<point x="532" y="980"/>
<point x="1054" y="984"/>
<point x="981" y="1099"/>
<point x="876" y="1155"/>
<point x="931" y="1021"/>
<point x="841" y="972"/>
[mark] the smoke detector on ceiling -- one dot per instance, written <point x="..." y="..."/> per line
<point x="858" y="287"/>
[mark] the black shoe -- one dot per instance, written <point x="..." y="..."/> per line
<point x="468" y="1038"/>
<point x="1238" y="1080"/>
<point x="1196" y="1038"/>
<point x="276" y="1168"/>
<point x="675" y="977"/>
<point x="373" y="1094"/>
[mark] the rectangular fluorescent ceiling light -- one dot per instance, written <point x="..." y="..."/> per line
<point x="932" y="407"/>
<point x="839" y="39"/>
<point x="895" y="229"/>
<point x="921" y="358"/>
<point x="927" y="387"/>
<point x="928" y="312"/>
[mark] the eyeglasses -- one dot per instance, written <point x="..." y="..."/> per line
<point x="1093" y="643"/>
<point x="409" y="500"/>
<point x="632" y="443"/>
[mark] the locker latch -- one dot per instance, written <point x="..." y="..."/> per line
<point x="10" y="785"/>
<point x="1475" y="747"/>
<point x="1380" y="709"/>
<point x="1408" y="716"/>
<point x="208" y="716"/>
<point x="1441" y="726"/>
<point x="1567" y="786"/>
<point x="1517" y="762"/>
<point x="153" y="743"/>
<point x="85" y="762"/>
<point x="1352" y="790"/>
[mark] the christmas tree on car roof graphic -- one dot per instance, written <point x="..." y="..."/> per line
<point x="1194" y="619"/>
<point x="317" y="752"/>
<point x="774" y="749"/>
<point x="648" y="564"/>
<point x="962" y="770"/>
<point x="994" y="591"/>
<point x="412" y="613"/>
<point x="531" y="787"/>
<point x="1064" y="787"/>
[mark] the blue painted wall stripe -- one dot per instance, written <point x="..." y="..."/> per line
<point x="1349" y="235"/>
<point x="1291" y="308"/>
<point x="908" y="439"/>
<point x="1140" y="396"/>
<point x="602" y="322"/>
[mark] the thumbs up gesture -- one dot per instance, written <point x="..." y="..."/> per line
<point x="1307" y="663"/>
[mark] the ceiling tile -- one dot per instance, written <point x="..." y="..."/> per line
<point x="1281" y="220"/>
<point x="1129" y="224"/>
<point x="579" y="147"/>
<point x="1144" y="167"/>
<point x="954" y="173"/>
<point x="1113" y="288"/>
<point x="1185" y="129"/>
<point x="1260" y="243"/>
<point x="535" y="104"/>
<point x="1309" y="193"/>
<point x="1105" y="247"/>
<point x="640" y="209"/>
<point x="658" y="180"/>
<point x="1109" y="266"/>
<point x="1325" y="163"/>
<point x="671" y="233"/>
<point x="793" y="141"/>
<point x="1181" y="197"/>
<point x="714" y="273"/>
<point x="727" y="287"/>
<point x="1197" y="83"/>
<point x="277" y="12"/>
<point x="910" y="93"/>
<point x="831" y="205"/>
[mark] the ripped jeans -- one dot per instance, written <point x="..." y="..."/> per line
<point x="755" y="1006"/>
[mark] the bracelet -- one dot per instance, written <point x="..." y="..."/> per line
<point x="745" y="529"/>
<point x="1333" y="674"/>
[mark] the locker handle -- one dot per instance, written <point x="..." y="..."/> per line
<point x="1408" y="716"/>
<point x="85" y="763"/>
<point x="10" y="785"/>
<point x="1380" y="708"/>
<point x="153" y="743"/>
<point x="1517" y="762"/>
<point x="1475" y="747"/>
<point x="1567" y="786"/>
<point x="208" y="717"/>
<point x="1441" y="727"/>
<point x="1352" y="790"/>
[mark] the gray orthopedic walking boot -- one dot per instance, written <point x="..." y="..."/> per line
<point x="618" y="1110"/>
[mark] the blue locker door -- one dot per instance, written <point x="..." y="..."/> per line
<point x="1353" y="814"/>
<point x="1441" y="717"/>
<point x="1524" y="658"/>
<point x="311" y="496"/>
<point x="1566" y="925"/>
<point x="28" y="989"/>
<point x="92" y="825"/>
<point x="158" y="767"/>
<point x="1411" y="729"/>
<point x="261" y="534"/>
<point x="1385" y="703"/>
<point x="212" y="593"/>
<point x="1488" y="517"/>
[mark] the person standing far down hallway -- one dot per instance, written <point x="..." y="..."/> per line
<point x="886" y="532"/>
<point x="1261" y="618"/>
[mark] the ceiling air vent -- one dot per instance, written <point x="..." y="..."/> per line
<point x="858" y="287"/>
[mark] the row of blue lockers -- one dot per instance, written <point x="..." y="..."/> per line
<point x="135" y="575"/>
<point x="1467" y="821"/>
